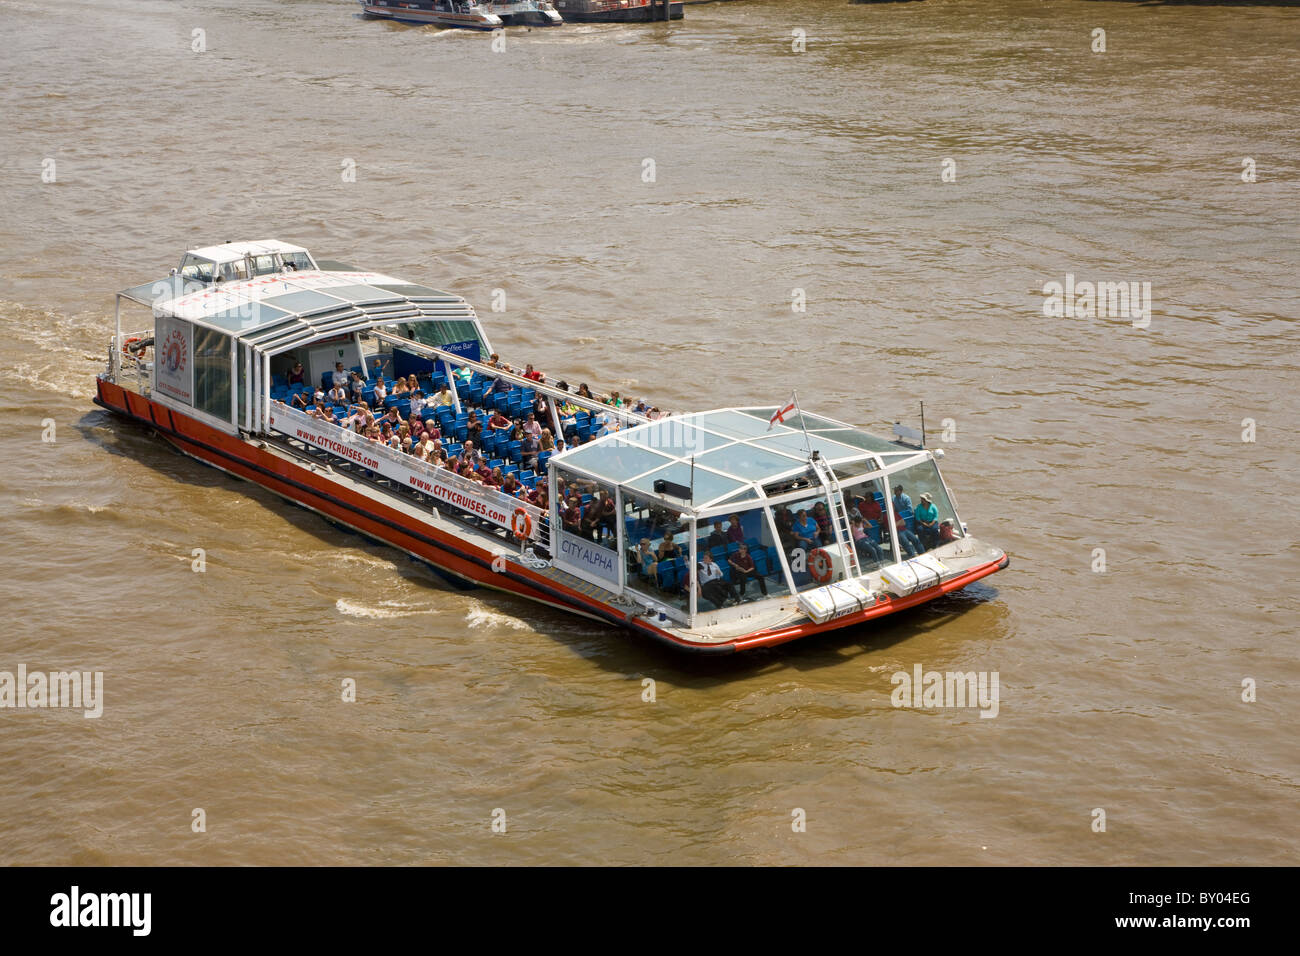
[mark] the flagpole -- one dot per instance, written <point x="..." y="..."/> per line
<point x="802" y="423"/>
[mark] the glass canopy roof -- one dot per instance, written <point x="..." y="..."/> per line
<point x="734" y="452"/>
<point x="288" y="309"/>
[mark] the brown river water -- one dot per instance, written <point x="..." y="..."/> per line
<point x="1120" y="690"/>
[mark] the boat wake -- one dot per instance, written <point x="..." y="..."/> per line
<point x="480" y="616"/>
<point x="385" y="609"/>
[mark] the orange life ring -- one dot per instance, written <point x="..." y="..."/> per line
<point x="521" y="523"/>
<point x="126" y="346"/>
<point x="819" y="565"/>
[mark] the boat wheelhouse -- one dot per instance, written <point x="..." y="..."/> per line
<point x="466" y="14"/>
<point x="719" y="531"/>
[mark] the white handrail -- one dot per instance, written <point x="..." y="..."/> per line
<point x="441" y="484"/>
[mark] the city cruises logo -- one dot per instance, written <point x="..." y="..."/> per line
<point x="175" y="352"/>
<point x="933" y="689"/>
<point x="1105" y="300"/>
<point x="38" y="690"/>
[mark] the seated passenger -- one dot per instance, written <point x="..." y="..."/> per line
<point x="717" y="538"/>
<point x="870" y="509"/>
<point x="584" y="391"/>
<point x="947" y="532"/>
<point x="667" y="548"/>
<point x="381" y="391"/>
<point x="542" y="409"/>
<point x="711" y="583"/>
<point x="417" y="403"/>
<point x="823" y="519"/>
<point x="742" y="569"/>
<point x="804" y="530"/>
<point x="862" y="543"/>
<point x="532" y="426"/>
<point x="444" y="398"/>
<point x="735" y="533"/>
<point x="532" y="373"/>
<point x="571" y="516"/>
<point x="412" y="383"/>
<point x="305" y="400"/>
<point x="927" y="522"/>
<point x="378" y="368"/>
<point x="296" y="375"/>
<point x="499" y="424"/>
<point x="646" y="564"/>
<point x="400" y="388"/>
<point x="591" y="520"/>
<point x="340" y="377"/>
<point x="356" y="387"/>
<point x="339" y="395"/>
<point x="908" y="541"/>
<point x="902" y="502"/>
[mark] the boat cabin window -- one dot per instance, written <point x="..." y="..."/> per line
<point x="196" y="268"/>
<point x="233" y="271"/>
<point x="932" y="522"/>
<point x="586" y="543"/>
<point x="299" y="261"/>
<point x="212" y="373"/>
<point x="808" y="540"/>
<point x="264" y="265"/>
<point x="742" y="545"/>
<point x="442" y="334"/>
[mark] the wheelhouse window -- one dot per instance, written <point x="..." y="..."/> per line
<point x="198" y="269"/>
<point x="212" y="373"/>
<point x="296" y="260"/>
<point x="264" y="265"/>
<point x="233" y="271"/>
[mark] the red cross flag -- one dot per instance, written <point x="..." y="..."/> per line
<point x="779" y="417"/>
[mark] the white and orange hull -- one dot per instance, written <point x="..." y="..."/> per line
<point x="453" y="554"/>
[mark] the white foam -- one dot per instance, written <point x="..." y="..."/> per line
<point x="480" y="616"/>
<point x="385" y="609"/>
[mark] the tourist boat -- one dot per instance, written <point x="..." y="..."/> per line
<point x="533" y="13"/>
<point x="210" y="373"/>
<point x="619" y="11"/>
<point x="467" y="14"/>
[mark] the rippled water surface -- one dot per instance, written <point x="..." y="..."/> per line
<point x="775" y="170"/>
